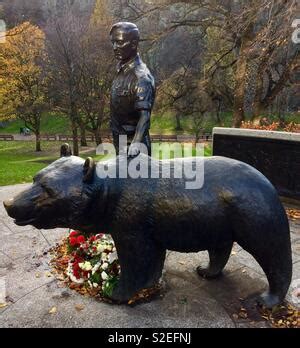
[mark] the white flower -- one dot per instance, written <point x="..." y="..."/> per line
<point x="104" y="266"/>
<point x="95" y="285"/>
<point x="75" y="280"/>
<point x="71" y="275"/>
<point x="100" y="248"/>
<point x="109" y="247"/>
<point x="112" y="257"/>
<point x="86" y="266"/>
<point x="104" y="275"/>
<point x="96" y="267"/>
<point x="103" y="256"/>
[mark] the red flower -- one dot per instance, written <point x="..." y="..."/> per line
<point x="76" y="274"/>
<point x="73" y="241"/>
<point x="80" y="239"/>
<point x="74" y="234"/>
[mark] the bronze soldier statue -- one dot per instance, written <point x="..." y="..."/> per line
<point x="133" y="91"/>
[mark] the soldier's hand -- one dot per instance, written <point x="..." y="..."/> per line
<point x="133" y="150"/>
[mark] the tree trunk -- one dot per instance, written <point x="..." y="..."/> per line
<point x="83" y="141"/>
<point x="218" y="113"/>
<point x="239" y="95"/>
<point x="75" y="138"/>
<point x="241" y="78"/>
<point x="178" y="122"/>
<point x="38" y="141"/>
<point x="258" y="105"/>
<point x="37" y="129"/>
<point x="98" y="139"/>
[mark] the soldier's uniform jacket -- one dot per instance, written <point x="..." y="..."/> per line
<point x="133" y="90"/>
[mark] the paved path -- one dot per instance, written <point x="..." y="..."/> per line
<point x="30" y="292"/>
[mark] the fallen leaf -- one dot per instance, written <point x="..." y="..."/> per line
<point x="243" y="315"/>
<point x="233" y="253"/>
<point x="48" y="274"/>
<point x="2" y="305"/>
<point x="79" y="307"/>
<point x="38" y="275"/>
<point x="60" y="277"/>
<point x="243" y="271"/>
<point x="53" y="310"/>
<point x="181" y="262"/>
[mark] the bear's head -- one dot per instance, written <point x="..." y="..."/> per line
<point x="61" y="196"/>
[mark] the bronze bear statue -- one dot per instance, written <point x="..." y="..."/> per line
<point x="146" y="216"/>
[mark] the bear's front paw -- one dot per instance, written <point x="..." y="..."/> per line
<point x="268" y="300"/>
<point x="120" y="295"/>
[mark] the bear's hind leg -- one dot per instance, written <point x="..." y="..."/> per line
<point x="278" y="269"/>
<point x="217" y="261"/>
<point x="274" y="257"/>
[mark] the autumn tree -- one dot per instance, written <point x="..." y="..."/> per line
<point x="64" y="35"/>
<point x="23" y="84"/>
<point x="257" y="35"/>
<point x="96" y="70"/>
<point x="17" y="12"/>
<point x="182" y="94"/>
<point x="80" y="69"/>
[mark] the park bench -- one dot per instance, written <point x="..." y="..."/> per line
<point x="6" y="137"/>
<point x="206" y="137"/>
<point x="156" y="137"/>
<point x="169" y="138"/>
<point x="90" y="138"/>
<point x="64" y="137"/>
<point x="47" y="137"/>
<point x="185" y="138"/>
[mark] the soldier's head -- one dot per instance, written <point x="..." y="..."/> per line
<point x="125" y="38"/>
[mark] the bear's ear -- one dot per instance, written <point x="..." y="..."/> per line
<point x="65" y="150"/>
<point x="88" y="170"/>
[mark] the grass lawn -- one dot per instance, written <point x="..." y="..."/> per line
<point x="19" y="162"/>
<point x="53" y="123"/>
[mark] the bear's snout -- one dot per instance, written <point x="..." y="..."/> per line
<point x="8" y="204"/>
<point x="22" y="208"/>
<point x="11" y="208"/>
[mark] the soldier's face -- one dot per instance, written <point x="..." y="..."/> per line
<point x="124" y="46"/>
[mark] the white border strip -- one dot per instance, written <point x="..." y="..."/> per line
<point x="255" y="133"/>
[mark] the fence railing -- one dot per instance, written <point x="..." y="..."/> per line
<point x="107" y="137"/>
<point x="6" y="137"/>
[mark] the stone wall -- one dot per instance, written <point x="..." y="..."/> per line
<point x="275" y="154"/>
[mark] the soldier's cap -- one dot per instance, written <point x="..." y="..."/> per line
<point x="128" y="28"/>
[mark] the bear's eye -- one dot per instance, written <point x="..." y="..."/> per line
<point x="49" y="191"/>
